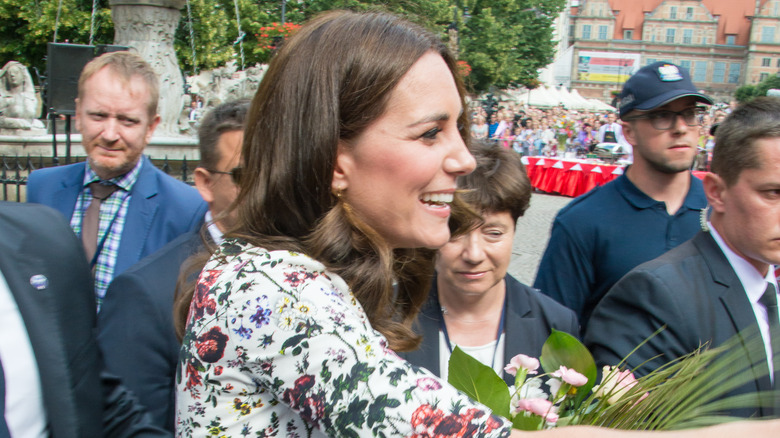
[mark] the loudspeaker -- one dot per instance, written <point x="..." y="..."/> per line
<point x="64" y="63"/>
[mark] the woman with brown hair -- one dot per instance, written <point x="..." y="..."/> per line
<point x="294" y="319"/>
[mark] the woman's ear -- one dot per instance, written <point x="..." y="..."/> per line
<point x="342" y="168"/>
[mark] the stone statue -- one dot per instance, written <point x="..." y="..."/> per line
<point x="148" y="26"/>
<point x="18" y="105"/>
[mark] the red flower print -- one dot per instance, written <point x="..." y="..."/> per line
<point x="311" y="408"/>
<point x="193" y="376"/>
<point x="211" y="345"/>
<point x="217" y="370"/>
<point x="202" y="301"/>
<point x="293" y="278"/>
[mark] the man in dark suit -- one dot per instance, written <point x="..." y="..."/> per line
<point x="120" y="204"/>
<point x="135" y="325"/>
<point x="474" y="303"/>
<point x="722" y="281"/>
<point x="51" y="367"/>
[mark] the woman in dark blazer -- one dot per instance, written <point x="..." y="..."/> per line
<point x="473" y="302"/>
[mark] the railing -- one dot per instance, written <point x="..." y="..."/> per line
<point x="14" y="172"/>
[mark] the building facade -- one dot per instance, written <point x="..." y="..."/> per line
<point x="723" y="43"/>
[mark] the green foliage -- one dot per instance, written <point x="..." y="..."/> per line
<point x="772" y="81"/>
<point x="692" y="391"/>
<point x="745" y="93"/>
<point x="506" y="42"/>
<point x="563" y="349"/>
<point x="479" y="382"/>
<point x="27" y="25"/>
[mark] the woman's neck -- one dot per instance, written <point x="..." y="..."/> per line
<point x="472" y="319"/>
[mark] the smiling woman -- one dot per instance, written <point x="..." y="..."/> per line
<point x="291" y="326"/>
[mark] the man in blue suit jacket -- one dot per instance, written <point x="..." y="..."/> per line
<point x="142" y="297"/>
<point x="49" y="295"/>
<point x="116" y="113"/>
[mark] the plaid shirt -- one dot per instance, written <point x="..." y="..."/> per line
<point x="113" y="211"/>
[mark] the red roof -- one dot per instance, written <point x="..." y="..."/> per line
<point x="733" y="17"/>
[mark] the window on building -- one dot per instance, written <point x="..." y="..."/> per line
<point x="571" y="31"/>
<point x="689" y="14"/>
<point x="734" y="69"/>
<point x="673" y="12"/>
<point x="767" y="34"/>
<point x="628" y="34"/>
<point x="687" y="36"/>
<point x="699" y="71"/>
<point x="719" y="72"/>
<point x="602" y="32"/>
<point x="670" y="36"/>
<point x="649" y="61"/>
<point x="766" y="62"/>
<point x="731" y="39"/>
<point x="778" y="62"/>
<point x="685" y="64"/>
<point x="763" y="77"/>
<point x="586" y="31"/>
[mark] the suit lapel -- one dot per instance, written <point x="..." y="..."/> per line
<point x="522" y="328"/>
<point x="732" y="296"/>
<point x="64" y="197"/>
<point x="138" y="220"/>
<point x="39" y="312"/>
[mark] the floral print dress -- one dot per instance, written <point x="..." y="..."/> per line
<point x="277" y="346"/>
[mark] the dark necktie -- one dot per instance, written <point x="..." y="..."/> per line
<point x="91" y="221"/>
<point x="3" y="426"/>
<point x="769" y="300"/>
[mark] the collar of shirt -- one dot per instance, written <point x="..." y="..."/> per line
<point x="694" y="200"/>
<point x="124" y="182"/>
<point x="214" y="231"/>
<point x="752" y="280"/>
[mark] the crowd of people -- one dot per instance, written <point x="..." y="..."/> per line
<point x="555" y="131"/>
<point x="318" y="275"/>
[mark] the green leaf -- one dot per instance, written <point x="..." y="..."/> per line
<point x="479" y="382"/>
<point x="527" y="422"/>
<point x="563" y="349"/>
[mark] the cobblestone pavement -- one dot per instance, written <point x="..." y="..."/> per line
<point x="533" y="231"/>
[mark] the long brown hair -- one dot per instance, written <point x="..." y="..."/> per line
<point x="328" y="83"/>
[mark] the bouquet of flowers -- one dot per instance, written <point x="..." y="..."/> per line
<point x="688" y="392"/>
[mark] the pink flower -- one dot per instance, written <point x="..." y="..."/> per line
<point x="570" y="376"/>
<point x="537" y="406"/>
<point x="615" y="384"/>
<point x="522" y="361"/>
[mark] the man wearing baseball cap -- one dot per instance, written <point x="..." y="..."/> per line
<point x="653" y="207"/>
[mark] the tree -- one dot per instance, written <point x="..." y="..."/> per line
<point x="506" y="42"/>
<point x="745" y="93"/>
<point x="27" y="25"/>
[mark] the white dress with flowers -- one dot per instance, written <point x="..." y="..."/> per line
<point x="278" y="346"/>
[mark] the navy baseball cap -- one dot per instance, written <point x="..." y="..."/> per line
<point x="656" y="85"/>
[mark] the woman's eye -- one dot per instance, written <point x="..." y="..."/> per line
<point x="431" y="134"/>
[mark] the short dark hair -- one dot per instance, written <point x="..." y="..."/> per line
<point x="229" y="116"/>
<point x="499" y="183"/>
<point x="735" y="138"/>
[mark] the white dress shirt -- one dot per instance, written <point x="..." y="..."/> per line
<point x="24" y="411"/>
<point x="754" y="284"/>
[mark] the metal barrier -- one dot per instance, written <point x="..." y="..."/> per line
<point x="15" y="170"/>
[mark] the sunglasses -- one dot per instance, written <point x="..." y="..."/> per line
<point x="235" y="174"/>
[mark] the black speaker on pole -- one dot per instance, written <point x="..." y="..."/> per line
<point x="64" y="63"/>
